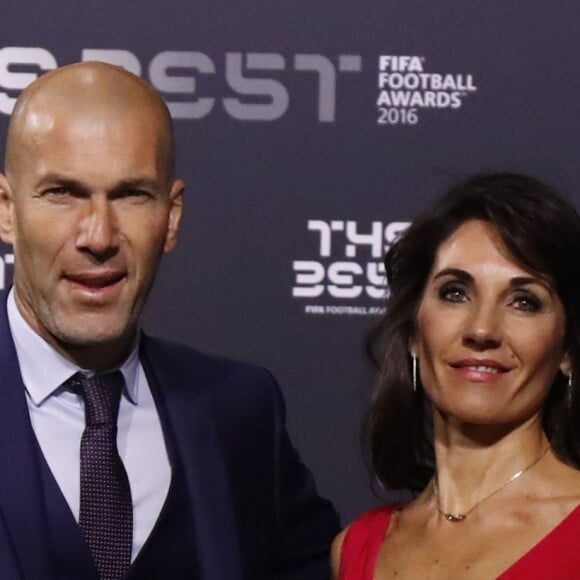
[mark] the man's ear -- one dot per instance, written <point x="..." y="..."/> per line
<point x="6" y="211"/>
<point x="175" y="213"/>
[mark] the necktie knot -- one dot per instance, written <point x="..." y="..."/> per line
<point x="101" y="394"/>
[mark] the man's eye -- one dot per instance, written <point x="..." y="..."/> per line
<point x="453" y="293"/>
<point x="133" y="194"/>
<point x="61" y="194"/>
<point x="57" y="191"/>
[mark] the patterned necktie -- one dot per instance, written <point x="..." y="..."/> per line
<point x="106" y="513"/>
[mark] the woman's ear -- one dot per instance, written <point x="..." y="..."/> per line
<point x="566" y="365"/>
<point x="412" y="347"/>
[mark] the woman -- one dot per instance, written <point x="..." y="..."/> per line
<point x="477" y="403"/>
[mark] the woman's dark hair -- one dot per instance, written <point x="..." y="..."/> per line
<point x="542" y="232"/>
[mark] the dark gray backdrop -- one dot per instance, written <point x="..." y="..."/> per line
<point x="292" y="179"/>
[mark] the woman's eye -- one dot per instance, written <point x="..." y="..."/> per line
<point x="527" y="302"/>
<point x="452" y="293"/>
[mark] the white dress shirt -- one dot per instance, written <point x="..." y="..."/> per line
<point x="58" y="420"/>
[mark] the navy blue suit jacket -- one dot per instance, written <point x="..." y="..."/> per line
<point x="255" y="510"/>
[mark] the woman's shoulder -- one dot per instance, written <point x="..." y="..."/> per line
<point x="375" y="516"/>
<point x="363" y="533"/>
<point x="372" y="521"/>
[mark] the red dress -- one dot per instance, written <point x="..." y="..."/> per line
<point x="555" y="557"/>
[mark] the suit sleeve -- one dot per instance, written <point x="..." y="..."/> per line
<point x="306" y="524"/>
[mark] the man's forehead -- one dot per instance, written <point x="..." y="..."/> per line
<point x="60" y="131"/>
<point x="96" y="151"/>
<point x="37" y="122"/>
<point x="62" y="121"/>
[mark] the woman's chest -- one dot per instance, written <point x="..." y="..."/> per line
<point x="459" y="551"/>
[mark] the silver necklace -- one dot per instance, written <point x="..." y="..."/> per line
<point x="459" y="517"/>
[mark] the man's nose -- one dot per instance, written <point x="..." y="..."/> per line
<point x="484" y="327"/>
<point x="99" y="231"/>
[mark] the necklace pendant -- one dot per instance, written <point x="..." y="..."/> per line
<point x="454" y="517"/>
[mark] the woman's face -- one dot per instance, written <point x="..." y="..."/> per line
<point x="490" y="334"/>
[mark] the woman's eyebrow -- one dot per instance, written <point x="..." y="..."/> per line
<point x="525" y="280"/>
<point x="456" y="273"/>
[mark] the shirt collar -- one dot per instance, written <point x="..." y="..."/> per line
<point x="44" y="370"/>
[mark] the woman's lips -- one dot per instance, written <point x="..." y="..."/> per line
<point x="479" y="370"/>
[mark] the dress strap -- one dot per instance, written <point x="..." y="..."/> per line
<point x="556" y="556"/>
<point x="362" y="543"/>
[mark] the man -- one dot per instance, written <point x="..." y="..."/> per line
<point x="178" y="466"/>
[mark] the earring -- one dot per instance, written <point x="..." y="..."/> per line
<point x="414" y="373"/>
<point x="570" y="390"/>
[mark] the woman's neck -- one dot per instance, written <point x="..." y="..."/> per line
<point x="473" y="462"/>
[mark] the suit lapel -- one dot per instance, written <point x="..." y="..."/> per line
<point x="21" y="500"/>
<point x="182" y="400"/>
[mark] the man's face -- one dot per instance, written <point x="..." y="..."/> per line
<point x="89" y="210"/>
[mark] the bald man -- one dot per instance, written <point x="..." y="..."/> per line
<point x="121" y="455"/>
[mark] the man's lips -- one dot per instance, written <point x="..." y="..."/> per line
<point x="95" y="280"/>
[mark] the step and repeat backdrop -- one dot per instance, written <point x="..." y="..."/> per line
<point x="310" y="134"/>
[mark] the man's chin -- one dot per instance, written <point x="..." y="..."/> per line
<point x="92" y="331"/>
